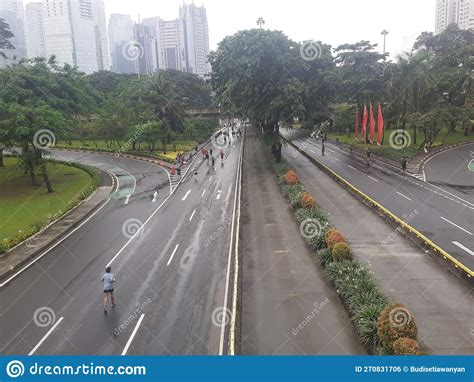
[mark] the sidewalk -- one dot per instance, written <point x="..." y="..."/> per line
<point x="14" y="259"/>
<point x="288" y="307"/>
<point x="441" y="303"/>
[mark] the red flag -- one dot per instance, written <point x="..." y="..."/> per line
<point x="380" y="126"/>
<point x="357" y="124"/>
<point x="364" y="124"/>
<point x="372" y="124"/>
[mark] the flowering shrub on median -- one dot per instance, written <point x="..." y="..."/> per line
<point x="366" y="304"/>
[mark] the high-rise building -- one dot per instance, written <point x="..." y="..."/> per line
<point x="13" y="14"/>
<point x="197" y="38"/>
<point x="75" y="33"/>
<point x="146" y="49"/>
<point x="460" y="12"/>
<point x="34" y="30"/>
<point x="121" y="41"/>
<point x="170" y="42"/>
<point x="100" y="25"/>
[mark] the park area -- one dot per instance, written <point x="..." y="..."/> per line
<point x="25" y="208"/>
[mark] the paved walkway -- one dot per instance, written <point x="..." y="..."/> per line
<point x="441" y="302"/>
<point x="288" y="307"/>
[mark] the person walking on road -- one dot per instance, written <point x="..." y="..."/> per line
<point x="404" y="164"/>
<point x="213" y="161"/>
<point x="195" y="174"/>
<point x="323" y="148"/>
<point x="222" y="156"/>
<point x="109" y="279"/>
<point x="368" y="157"/>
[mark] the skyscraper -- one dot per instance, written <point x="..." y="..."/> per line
<point x="34" y="30"/>
<point x="460" y="12"/>
<point x="146" y="49"/>
<point x="75" y="33"/>
<point x="12" y="12"/>
<point x="197" y="38"/>
<point x="170" y="42"/>
<point x="120" y="40"/>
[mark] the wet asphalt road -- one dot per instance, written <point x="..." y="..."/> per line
<point x="170" y="274"/>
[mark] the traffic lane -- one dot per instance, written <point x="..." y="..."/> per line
<point x="186" y="320"/>
<point x="450" y="169"/>
<point x="420" y="207"/>
<point x="141" y="272"/>
<point x="38" y="285"/>
<point x="138" y="176"/>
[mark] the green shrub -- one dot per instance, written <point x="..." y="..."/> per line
<point x="370" y="297"/>
<point x="406" y="346"/>
<point x="324" y="256"/>
<point x="334" y="237"/>
<point x="307" y="201"/>
<point x="395" y="322"/>
<point x="365" y="324"/>
<point x="341" y="251"/>
<point x="303" y="214"/>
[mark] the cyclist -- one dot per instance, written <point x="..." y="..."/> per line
<point x="108" y="278"/>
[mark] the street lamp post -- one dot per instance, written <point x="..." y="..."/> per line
<point x="384" y="33"/>
<point x="260" y="22"/>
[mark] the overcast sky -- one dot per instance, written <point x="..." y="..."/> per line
<point x="331" y="21"/>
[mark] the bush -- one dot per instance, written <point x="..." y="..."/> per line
<point x="365" y="323"/>
<point x="291" y="178"/>
<point x="341" y="251"/>
<point x="317" y="242"/>
<point x="324" y="256"/>
<point x="395" y="322"/>
<point x="371" y="297"/>
<point x="328" y="232"/>
<point x="316" y="214"/>
<point x="406" y="346"/>
<point x="334" y="238"/>
<point x="307" y="201"/>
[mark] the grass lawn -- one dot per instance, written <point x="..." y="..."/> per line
<point x="171" y="152"/>
<point x="22" y="205"/>
<point x="387" y="151"/>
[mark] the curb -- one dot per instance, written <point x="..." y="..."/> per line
<point x="437" y="151"/>
<point x="430" y="247"/>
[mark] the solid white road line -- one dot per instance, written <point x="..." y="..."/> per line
<point x="219" y="193"/>
<point x="186" y="196"/>
<point x="203" y="193"/>
<point x="404" y="196"/>
<point x="375" y="180"/>
<point x="127" y="199"/>
<point x="450" y="222"/>
<point x="463" y="247"/>
<point x="135" y="330"/>
<point x="52" y="247"/>
<point x="352" y="167"/>
<point x="46" y="336"/>
<point x="312" y="151"/>
<point x="172" y="255"/>
<point x="210" y="179"/>
<point x="192" y="215"/>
